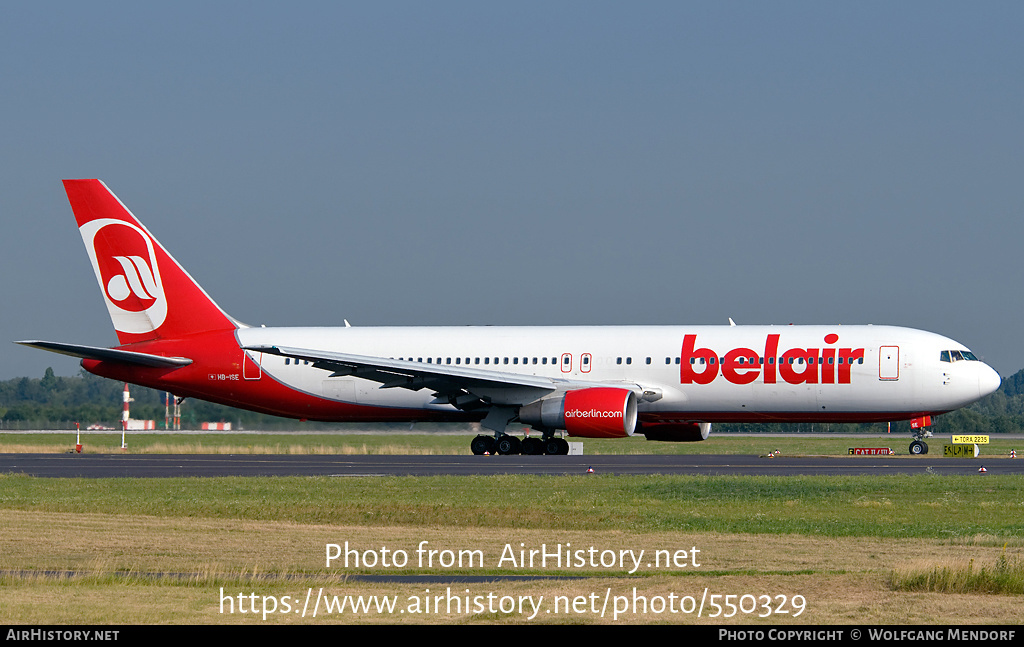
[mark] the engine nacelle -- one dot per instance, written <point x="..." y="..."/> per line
<point x="598" y="412"/>
<point x="676" y="432"/>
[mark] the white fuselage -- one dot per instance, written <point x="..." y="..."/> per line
<point x="724" y="373"/>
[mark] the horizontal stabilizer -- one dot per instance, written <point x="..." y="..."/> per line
<point x="108" y="354"/>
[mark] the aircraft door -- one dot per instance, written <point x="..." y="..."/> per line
<point x="252" y="365"/>
<point x="889" y="363"/>
<point x="586" y="360"/>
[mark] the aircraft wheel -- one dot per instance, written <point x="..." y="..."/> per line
<point x="925" y="447"/>
<point x="508" y="445"/>
<point x="533" y="446"/>
<point x="482" y="445"/>
<point x="556" y="447"/>
<point x="917" y="447"/>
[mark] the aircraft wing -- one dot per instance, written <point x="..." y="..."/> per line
<point x="462" y="386"/>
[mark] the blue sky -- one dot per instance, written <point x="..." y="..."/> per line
<point x="407" y="163"/>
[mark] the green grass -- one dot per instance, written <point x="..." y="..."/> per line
<point x="456" y="444"/>
<point x="949" y="507"/>
<point x="1006" y="577"/>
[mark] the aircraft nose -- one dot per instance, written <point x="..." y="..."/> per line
<point x="988" y="380"/>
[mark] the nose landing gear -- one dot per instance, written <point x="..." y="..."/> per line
<point x="918" y="446"/>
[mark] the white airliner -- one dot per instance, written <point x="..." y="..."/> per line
<point x="666" y="382"/>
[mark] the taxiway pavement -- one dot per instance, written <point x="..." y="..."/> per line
<point x="214" y="465"/>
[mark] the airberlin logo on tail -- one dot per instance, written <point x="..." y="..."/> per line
<point x="794" y="366"/>
<point x="125" y="263"/>
<point x="136" y="280"/>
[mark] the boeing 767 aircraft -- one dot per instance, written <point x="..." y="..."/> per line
<point x="666" y="382"/>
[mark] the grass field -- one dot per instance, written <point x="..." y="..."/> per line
<point x="394" y="443"/>
<point x="836" y="549"/>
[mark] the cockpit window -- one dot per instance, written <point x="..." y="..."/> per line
<point x="957" y="355"/>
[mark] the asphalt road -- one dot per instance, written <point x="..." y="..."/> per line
<point x="209" y="465"/>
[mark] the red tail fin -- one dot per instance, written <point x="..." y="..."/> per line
<point x="148" y="294"/>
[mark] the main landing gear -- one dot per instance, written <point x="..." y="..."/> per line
<point x="506" y="445"/>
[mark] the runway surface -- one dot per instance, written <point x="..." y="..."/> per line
<point x="212" y="465"/>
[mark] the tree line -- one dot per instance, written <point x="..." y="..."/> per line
<point x="53" y="402"/>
